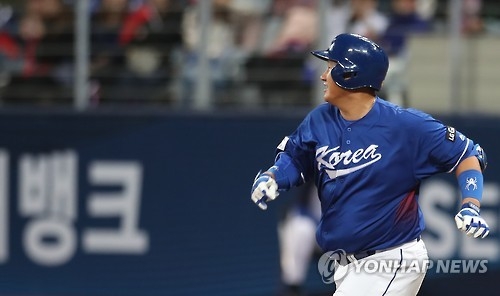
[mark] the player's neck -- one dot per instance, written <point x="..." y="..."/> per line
<point x="356" y="106"/>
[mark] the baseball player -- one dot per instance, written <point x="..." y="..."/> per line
<point x="296" y="237"/>
<point x="367" y="158"/>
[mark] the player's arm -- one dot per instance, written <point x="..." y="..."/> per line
<point x="292" y="165"/>
<point x="469" y="174"/>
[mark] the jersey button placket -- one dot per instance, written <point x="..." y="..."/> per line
<point x="348" y="142"/>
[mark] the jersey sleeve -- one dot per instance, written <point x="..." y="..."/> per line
<point x="439" y="148"/>
<point x="299" y="146"/>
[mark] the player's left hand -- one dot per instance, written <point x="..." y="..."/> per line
<point x="264" y="188"/>
<point x="469" y="221"/>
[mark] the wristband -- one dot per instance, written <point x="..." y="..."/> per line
<point x="471" y="184"/>
<point x="471" y="206"/>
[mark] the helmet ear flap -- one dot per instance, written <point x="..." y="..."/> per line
<point x="342" y="74"/>
<point x="337" y="74"/>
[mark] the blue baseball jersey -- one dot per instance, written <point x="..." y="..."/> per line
<point x="368" y="172"/>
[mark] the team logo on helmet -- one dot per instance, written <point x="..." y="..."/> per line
<point x="332" y="45"/>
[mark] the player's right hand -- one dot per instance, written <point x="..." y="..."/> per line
<point x="264" y="189"/>
<point x="469" y="221"/>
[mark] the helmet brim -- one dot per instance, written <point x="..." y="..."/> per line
<point x="322" y="54"/>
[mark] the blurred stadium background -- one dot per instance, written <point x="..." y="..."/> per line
<point x="131" y="131"/>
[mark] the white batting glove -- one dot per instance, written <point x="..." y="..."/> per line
<point x="469" y="221"/>
<point x="264" y="189"/>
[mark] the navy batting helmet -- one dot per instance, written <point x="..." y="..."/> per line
<point x="360" y="62"/>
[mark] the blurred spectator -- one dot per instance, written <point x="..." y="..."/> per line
<point x="107" y="54"/>
<point x="356" y="16"/>
<point x="18" y="48"/>
<point x="427" y="9"/>
<point x="224" y="55"/>
<point x="35" y="45"/>
<point x="297" y="240"/>
<point x="366" y="19"/>
<point x="277" y="73"/>
<point x="150" y="35"/>
<point x="405" y="21"/>
<point x="248" y="18"/>
<point x="7" y="13"/>
<point x="472" y="22"/>
<point x="56" y="48"/>
<point x="298" y="27"/>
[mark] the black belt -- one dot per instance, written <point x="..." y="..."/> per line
<point x="349" y="258"/>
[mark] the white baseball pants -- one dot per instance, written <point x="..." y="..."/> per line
<point x="398" y="271"/>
